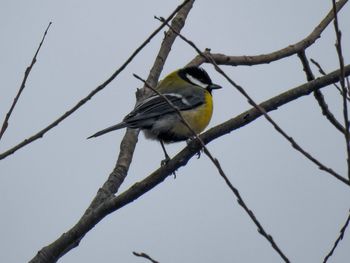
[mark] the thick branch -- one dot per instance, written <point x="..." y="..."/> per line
<point x="138" y="189"/>
<point x="290" y="50"/>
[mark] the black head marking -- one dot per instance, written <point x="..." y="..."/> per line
<point x="195" y="73"/>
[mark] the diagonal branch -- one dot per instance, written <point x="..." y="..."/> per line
<point x="23" y="84"/>
<point x="340" y="237"/>
<point x="290" y="50"/>
<point x="181" y="159"/>
<point x="69" y="112"/>
<point x="318" y="94"/>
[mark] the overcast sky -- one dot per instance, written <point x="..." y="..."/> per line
<point x="46" y="186"/>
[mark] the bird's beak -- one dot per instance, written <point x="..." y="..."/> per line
<point x="213" y="86"/>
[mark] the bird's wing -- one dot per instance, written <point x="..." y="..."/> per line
<point x="156" y="106"/>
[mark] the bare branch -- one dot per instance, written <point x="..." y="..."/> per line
<point x="290" y="50"/>
<point x="70" y="240"/>
<point x="41" y="133"/>
<point x="144" y="255"/>
<point x="340" y="237"/>
<point x="320" y="70"/>
<point x="318" y="94"/>
<point x="326" y="111"/>
<point x="342" y="84"/>
<point x="23" y="84"/>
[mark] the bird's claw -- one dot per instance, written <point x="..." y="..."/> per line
<point x="165" y="162"/>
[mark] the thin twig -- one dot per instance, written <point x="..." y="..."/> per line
<point x="216" y="162"/>
<point x="342" y="84"/>
<point x="23" y="84"/>
<point x="318" y="94"/>
<point x="144" y="255"/>
<point x="41" y="133"/>
<point x="320" y="70"/>
<point x="263" y="112"/>
<point x="340" y="237"/>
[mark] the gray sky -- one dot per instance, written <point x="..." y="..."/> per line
<point x="45" y="187"/>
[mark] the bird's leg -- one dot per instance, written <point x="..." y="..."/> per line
<point x="167" y="158"/>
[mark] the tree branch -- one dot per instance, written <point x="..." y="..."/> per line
<point x="318" y="94"/>
<point x="342" y="84"/>
<point x="144" y="255"/>
<point x="290" y="50"/>
<point x="320" y="70"/>
<point x="340" y="237"/>
<point x="23" y="84"/>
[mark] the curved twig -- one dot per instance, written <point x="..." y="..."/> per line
<point x="144" y="255"/>
<point x="290" y="50"/>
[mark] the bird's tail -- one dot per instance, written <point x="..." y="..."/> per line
<point x="109" y="129"/>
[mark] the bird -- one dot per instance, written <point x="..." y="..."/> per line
<point x="189" y="89"/>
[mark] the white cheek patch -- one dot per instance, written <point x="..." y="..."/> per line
<point x="196" y="81"/>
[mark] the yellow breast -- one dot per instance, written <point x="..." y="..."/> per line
<point x="197" y="118"/>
